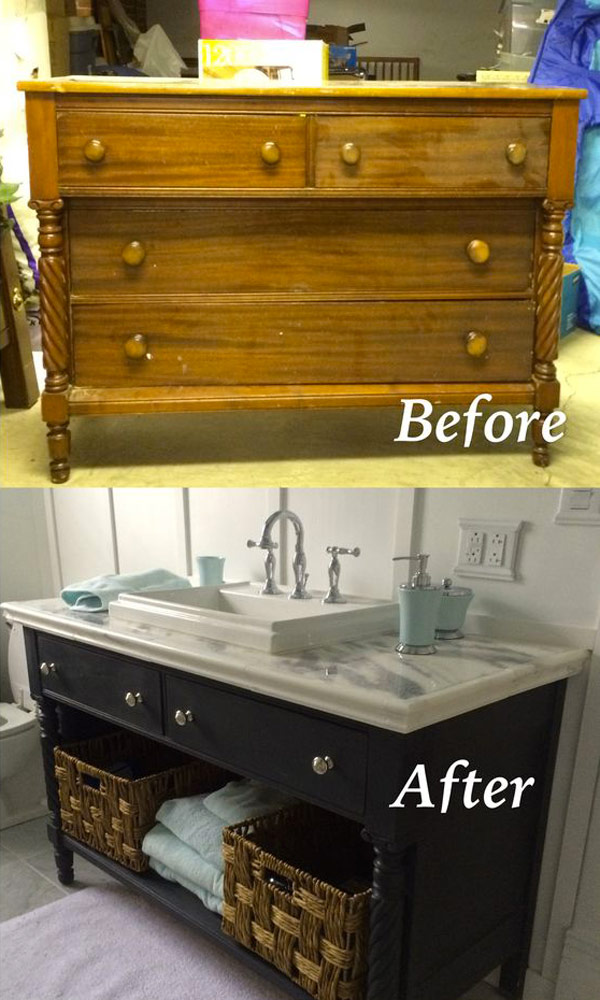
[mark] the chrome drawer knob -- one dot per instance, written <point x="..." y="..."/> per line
<point x="133" y="699"/>
<point x="321" y="765"/>
<point x="350" y="153"/>
<point x="478" y="251"/>
<point x="516" y="153"/>
<point x="133" y="254"/>
<point x="270" y="153"/>
<point x="94" y="151"/>
<point x="182" y="718"/>
<point x="47" y="668"/>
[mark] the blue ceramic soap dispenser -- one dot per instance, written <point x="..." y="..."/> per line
<point x="419" y="609"/>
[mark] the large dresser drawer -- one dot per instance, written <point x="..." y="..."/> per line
<point x="309" y="247"/>
<point x="245" y="342"/>
<point x="462" y="154"/>
<point x="120" y="688"/>
<point x="108" y="149"/>
<point x="264" y="740"/>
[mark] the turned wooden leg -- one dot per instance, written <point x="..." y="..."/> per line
<point x="49" y="735"/>
<point x="59" y="446"/>
<point x="547" y="321"/>
<point x="386" y="922"/>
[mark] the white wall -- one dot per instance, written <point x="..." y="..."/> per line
<point x="450" y="38"/>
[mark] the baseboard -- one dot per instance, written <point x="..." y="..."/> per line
<point x="579" y="973"/>
<point x="538" y="988"/>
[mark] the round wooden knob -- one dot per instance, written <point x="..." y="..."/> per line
<point x="476" y="344"/>
<point x="478" y="251"/>
<point x="94" y="151"/>
<point x="134" y="253"/>
<point x="270" y="152"/>
<point x="350" y="153"/>
<point x="136" y="346"/>
<point x="516" y="153"/>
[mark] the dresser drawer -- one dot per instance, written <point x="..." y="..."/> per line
<point x="179" y="150"/>
<point x="467" y="155"/>
<point x="318" y="248"/>
<point x="266" y="343"/>
<point x="264" y="740"/>
<point x="99" y="681"/>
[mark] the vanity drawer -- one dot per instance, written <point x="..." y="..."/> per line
<point x="317" y="248"/>
<point x="266" y="343"/>
<point x="101" y="682"/>
<point x="108" y="149"/>
<point x="464" y="154"/>
<point x="264" y="740"/>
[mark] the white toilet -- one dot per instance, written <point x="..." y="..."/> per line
<point x="22" y="793"/>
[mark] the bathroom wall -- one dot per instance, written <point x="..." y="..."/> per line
<point x="450" y="38"/>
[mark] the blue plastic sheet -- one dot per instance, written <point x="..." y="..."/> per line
<point x="569" y="56"/>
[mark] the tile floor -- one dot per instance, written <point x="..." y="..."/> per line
<point x="28" y="879"/>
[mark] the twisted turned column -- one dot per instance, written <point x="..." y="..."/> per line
<point x="386" y="921"/>
<point x="548" y="294"/>
<point x="55" y="334"/>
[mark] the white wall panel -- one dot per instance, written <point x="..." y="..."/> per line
<point x="221" y="522"/>
<point x="150" y="530"/>
<point x="84" y="534"/>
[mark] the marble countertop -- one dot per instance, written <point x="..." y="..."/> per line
<point x="360" y="680"/>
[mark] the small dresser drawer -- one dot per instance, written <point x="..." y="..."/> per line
<point x="266" y="343"/>
<point x="107" y="150"/>
<point x="320" y="759"/>
<point x="468" y="155"/>
<point x="118" y="687"/>
<point x="259" y="246"/>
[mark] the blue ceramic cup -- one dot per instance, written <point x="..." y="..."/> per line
<point x="210" y="570"/>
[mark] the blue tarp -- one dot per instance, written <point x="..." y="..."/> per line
<point x="569" y="56"/>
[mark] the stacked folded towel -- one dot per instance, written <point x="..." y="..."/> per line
<point x="185" y="846"/>
<point x="97" y="593"/>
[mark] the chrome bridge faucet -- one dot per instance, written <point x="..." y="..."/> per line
<point x="299" y="564"/>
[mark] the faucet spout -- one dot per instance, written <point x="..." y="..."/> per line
<point x="299" y="562"/>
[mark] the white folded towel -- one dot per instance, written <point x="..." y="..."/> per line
<point x="163" y="846"/>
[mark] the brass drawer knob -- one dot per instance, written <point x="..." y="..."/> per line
<point x="350" y="153"/>
<point x="516" y="153"/>
<point x="476" y="344"/>
<point x="321" y="765"/>
<point x="134" y="253"/>
<point x="94" y="151"/>
<point x="183" y="718"/>
<point x="270" y="152"/>
<point x="478" y="251"/>
<point x="136" y="347"/>
<point x="16" y="297"/>
<point x="47" y="668"/>
<point x="133" y="699"/>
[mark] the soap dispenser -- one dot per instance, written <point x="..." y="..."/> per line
<point x="419" y="609"/>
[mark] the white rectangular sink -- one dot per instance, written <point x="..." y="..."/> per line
<point x="241" y="615"/>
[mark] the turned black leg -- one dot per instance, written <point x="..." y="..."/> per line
<point x="49" y="735"/>
<point x="384" y="979"/>
<point x="512" y="976"/>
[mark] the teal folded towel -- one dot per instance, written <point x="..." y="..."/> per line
<point x="198" y="820"/>
<point x="184" y="863"/>
<point x="211" y="902"/>
<point x="97" y="593"/>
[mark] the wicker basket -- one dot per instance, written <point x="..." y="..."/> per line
<point x="314" y="932"/>
<point x="112" y="814"/>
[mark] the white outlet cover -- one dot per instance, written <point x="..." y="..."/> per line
<point x="505" y="569"/>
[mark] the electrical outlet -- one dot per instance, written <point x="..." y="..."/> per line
<point x="495" y="549"/>
<point x="488" y="548"/>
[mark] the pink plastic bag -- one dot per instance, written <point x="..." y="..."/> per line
<point x="253" y="18"/>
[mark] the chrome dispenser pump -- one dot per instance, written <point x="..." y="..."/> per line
<point x="419" y="608"/>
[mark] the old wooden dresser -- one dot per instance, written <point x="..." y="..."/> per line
<point x="347" y="245"/>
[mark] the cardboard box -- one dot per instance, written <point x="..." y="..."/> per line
<point x="298" y="62"/>
<point x="570" y="298"/>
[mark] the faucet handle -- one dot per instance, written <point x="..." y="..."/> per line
<point x="336" y="550"/>
<point x="250" y="544"/>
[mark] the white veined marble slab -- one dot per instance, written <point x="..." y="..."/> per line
<point x="363" y="680"/>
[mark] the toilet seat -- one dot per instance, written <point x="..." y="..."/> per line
<point x="14" y="719"/>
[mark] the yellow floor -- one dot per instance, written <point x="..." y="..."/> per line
<point x="309" y="448"/>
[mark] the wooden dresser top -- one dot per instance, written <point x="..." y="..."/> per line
<point x="358" y="88"/>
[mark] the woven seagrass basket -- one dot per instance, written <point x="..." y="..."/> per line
<point x="312" y="927"/>
<point x="112" y="814"/>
